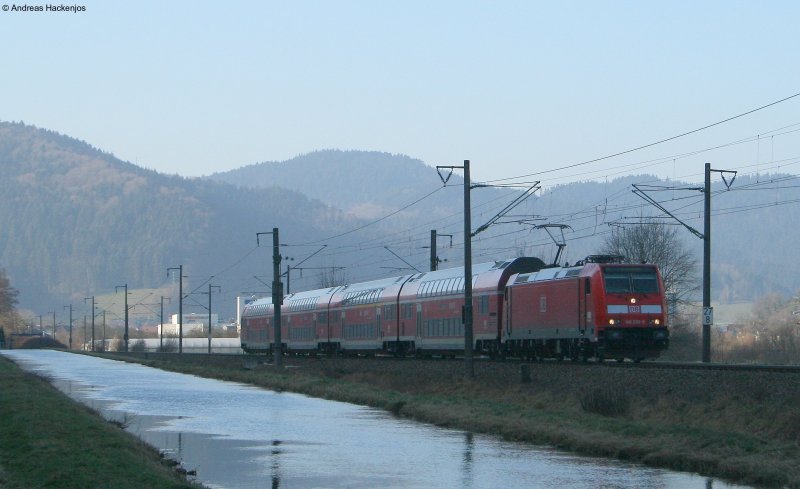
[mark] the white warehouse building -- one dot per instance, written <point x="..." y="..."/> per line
<point x="192" y="323"/>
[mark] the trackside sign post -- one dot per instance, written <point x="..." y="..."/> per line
<point x="708" y="316"/>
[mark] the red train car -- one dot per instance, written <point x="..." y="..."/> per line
<point x="419" y="313"/>
<point x="431" y="306"/>
<point x="521" y="308"/>
<point x="599" y="308"/>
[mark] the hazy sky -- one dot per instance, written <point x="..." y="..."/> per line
<point x="195" y="87"/>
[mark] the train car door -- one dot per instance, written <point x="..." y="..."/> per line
<point x="507" y="316"/>
<point x="379" y="330"/>
<point x="419" y="320"/>
<point x="584" y="289"/>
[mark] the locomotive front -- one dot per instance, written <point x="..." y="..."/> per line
<point x="630" y="315"/>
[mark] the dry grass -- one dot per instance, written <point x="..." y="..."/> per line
<point x="47" y="440"/>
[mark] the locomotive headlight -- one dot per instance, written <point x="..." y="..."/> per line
<point x="612" y="322"/>
<point x="633" y="300"/>
<point x="657" y="322"/>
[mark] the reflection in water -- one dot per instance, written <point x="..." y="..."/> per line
<point x="275" y="470"/>
<point x="237" y="436"/>
<point x="466" y="466"/>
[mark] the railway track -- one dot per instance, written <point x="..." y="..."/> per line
<point x="789" y="369"/>
<point x="652" y="364"/>
<point x="655" y="364"/>
<point x="794" y="369"/>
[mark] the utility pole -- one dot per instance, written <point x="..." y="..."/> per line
<point x="161" y="329"/>
<point x="84" y="332"/>
<point x="125" y="336"/>
<point x="219" y="288"/>
<point x="708" y="311"/>
<point x="468" y="341"/>
<point x="277" y="294"/>
<point x="468" y="336"/>
<point x="70" y="325"/>
<point x="434" y="253"/>
<point x="104" y="331"/>
<point x="180" y="305"/>
<point x="54" y="325"/>
<point x="289" y="268"/>
<point x="434" y="257"/>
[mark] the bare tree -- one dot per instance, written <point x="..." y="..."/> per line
<point x="658" y="243"/>
<point x="10" y="319"/>
<point x="8" y="294"/>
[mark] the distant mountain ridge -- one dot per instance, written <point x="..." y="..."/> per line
<point x="752" y="232"/>
<point x="76" y="221"/>
<point x="372" y="184"/>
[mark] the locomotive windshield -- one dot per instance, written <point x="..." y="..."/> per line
<point x="630" y="280"/>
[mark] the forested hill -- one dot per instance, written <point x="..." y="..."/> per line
<point x="77" y="221"/>
<point x="364" y="183"/>
<point x="754" y="225"/>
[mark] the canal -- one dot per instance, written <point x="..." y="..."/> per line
<point x="239" y="436"/>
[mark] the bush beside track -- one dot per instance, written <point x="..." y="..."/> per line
<point x="740" y="426"/>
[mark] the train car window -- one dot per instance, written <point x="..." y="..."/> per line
<point x="630" y="280"/>
<point x="645" y="282"/>
<point x="483" y="305"/>
<point x="617" y="283"/>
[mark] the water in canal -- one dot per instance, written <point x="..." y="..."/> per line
<point x="238" y="436"/>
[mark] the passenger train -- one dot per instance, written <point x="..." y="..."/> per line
<point x="599" y="308"/>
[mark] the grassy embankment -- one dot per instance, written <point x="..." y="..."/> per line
<point x="47" y="440"/>
<point x="743" y="427"/>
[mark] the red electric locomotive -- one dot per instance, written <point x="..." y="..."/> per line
<point x="520" y="308"/>
<point x="598" y="308"/>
